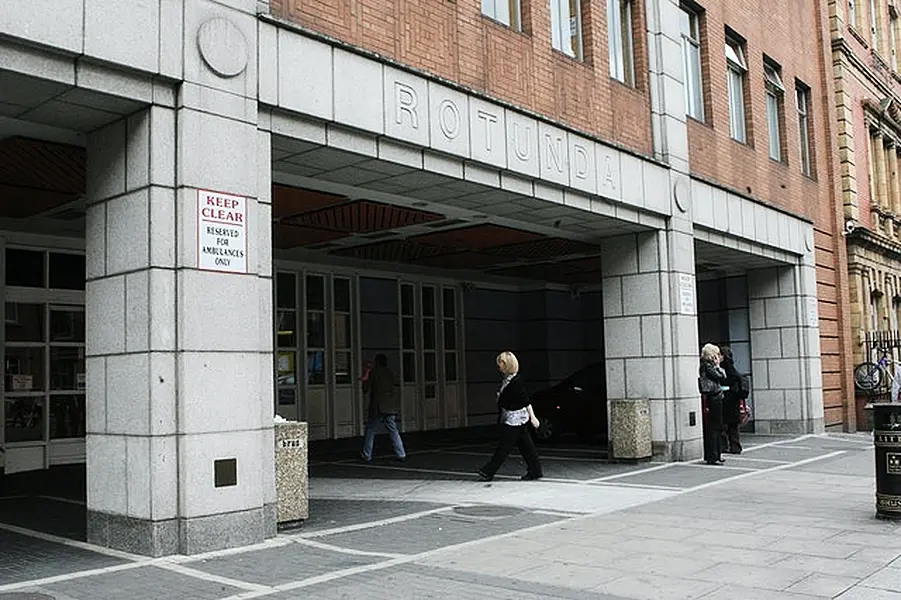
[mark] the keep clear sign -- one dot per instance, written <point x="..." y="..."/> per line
<point x="222" y="232"/>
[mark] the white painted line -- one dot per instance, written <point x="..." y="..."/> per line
<point x="553" y="513"/>
<point x="658" y="467"/>
<point x="73" y="543"/>
<point x="64" y="500"/>
<point x="33" y="583"/>
<point x="760" y="460"/>
<point x="777" y="443"/>
<point x="768" y="470"/>
<point x="638" y="486"/>
<point x="369" y="524"/>
<point x="236" y="583"/>
<point x="14" y="497"/>
<point x="723" y="467"/>
<point x="342" y="550"/>
<point x="798" y="447"/>
<point x="275" y="542"/>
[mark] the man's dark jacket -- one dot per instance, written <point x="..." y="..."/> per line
<point x="381" y="387"/>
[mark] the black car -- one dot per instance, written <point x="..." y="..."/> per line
<point x="578" y="404"/>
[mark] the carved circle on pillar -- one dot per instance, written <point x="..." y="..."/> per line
<point x="222" y="47"/>
<point x="680" y="194"/>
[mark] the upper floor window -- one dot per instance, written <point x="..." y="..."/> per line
<point x="737" y="68"/>
<point x="619" y="39"/>
<point x="875" y="26"/>
<point x="895" y="39"/>
<point x="775" y="95"/>
<point x="852" y="13"/>
<point x="802" y="93"/>
<point x="503" y="11"/>
<point x="689" y="23"/>
<point x="566" y="27"/>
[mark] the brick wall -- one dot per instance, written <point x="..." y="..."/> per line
<point x="453" y="40"/>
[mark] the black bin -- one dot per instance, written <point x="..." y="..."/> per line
<point x="887" y="439"/>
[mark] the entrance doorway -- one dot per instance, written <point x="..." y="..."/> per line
<point x="43" y="408"/>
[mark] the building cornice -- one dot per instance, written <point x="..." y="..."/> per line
<point x="867" y="240"/>
<point x="841" y="47"/>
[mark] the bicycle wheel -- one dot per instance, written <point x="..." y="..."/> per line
<point x="868" y="376"/>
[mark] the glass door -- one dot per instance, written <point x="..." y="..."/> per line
<point x="318" y="411"/>
<point x="288" y="339"/>
<point x="409" y="345"/>
<point x="431" y="396"/>
<point x="43" y="408"/>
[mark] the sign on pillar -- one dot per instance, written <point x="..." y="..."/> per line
<point x="221" y="232"/>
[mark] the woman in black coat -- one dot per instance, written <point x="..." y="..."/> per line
<point x="515" y="416"/>
<point x="711" y="378"/>
<point x="732" y="403"/>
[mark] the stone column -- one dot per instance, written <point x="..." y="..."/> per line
<point x="894" y="202"/>
<point x="650" y="335"/>
<point x="180" y="354"/>
<point x="787" y="383"/>
<point x="882" y="189"/>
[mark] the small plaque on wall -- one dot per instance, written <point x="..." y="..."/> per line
<point x="225" y="472"/>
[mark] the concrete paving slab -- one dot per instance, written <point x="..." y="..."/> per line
<point x="828" y="586"/>
<point x="772" y="577"/>
<point x="24" y="557"/>
<point x="888" y="579"/>
<point x="738" y="592"/>
<point x="657" y="587"/>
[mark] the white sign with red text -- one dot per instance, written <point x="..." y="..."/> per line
<point x="221" y="232"/>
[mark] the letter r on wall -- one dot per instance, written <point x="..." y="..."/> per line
<point x="405" y="101"/>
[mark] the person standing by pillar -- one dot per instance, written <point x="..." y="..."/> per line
<point x="380" y="384"/>
<point x="516" y="413"/>
<point x="711" y="381"/>
<point x="732" y="402"/>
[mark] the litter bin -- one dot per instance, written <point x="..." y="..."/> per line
<point x="887" y="439"/>
<point x="291" y="474"/>
<point x="630" y="428"/>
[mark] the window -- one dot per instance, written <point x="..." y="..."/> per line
<point x="408" y="332"/>
<point x="895" y="37"/>
<point x="691" y="61"/>
<point x="875" y="26"/>
<point x="802" y="94"/>
<point x="619" y="39"/>
<point x="737" y="67"/>
<point x="775" y="94"/>
<point x="503" y="11"/>
<point x="852" y="13"/>
<point x="566" y="27"/>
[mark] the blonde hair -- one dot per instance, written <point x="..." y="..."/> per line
<point x="709" y="352"/>
<point x="508" y="363"/>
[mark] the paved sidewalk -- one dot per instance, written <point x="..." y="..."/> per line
<point x="789" y="519"/>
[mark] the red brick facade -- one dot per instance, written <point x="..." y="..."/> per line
<point x="453" y="40"/>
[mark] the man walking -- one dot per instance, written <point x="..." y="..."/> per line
<point x="379" y="383"/>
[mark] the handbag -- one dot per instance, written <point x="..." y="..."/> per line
<point x="745" y="412"/>
<point x="708" y="386"/>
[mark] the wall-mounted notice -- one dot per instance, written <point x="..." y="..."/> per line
<point x="686" y="294"/>
<point x="221" y="232"/>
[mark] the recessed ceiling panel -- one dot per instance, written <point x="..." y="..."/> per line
<point x="478" y="237"/>
<point x="287" y="201"/>
<point x="286" y="236"/>
<point x="393" y="251"/>
<point x="365" y="216"/>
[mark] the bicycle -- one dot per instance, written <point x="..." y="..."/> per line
<point x="869" y="375"/>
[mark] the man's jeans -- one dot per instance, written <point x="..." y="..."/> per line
<point x="389" y="422"/>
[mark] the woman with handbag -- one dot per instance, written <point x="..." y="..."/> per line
<point x="515" y="416"/>
<point x="733" y="403"/>
<point x="711" y="384"/>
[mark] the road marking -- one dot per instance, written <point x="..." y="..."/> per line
<point x="275" y="542"/>
<point x="723" y="467"/>
<point x="342" y="550"/>
<point x="33" y="583"/>
<point x="767" y="470"/>
<point x="798" y="447"/>
<point x="370" y="524"/>
<point x="778" y="443"/>
<point x="543" y="456"/>
<point x="658" y="467"/>
<point x="236" y="583"/>
<point x="760" y="460"/>
<point x="72" y="543"/>
<point x="638" y="486"/>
